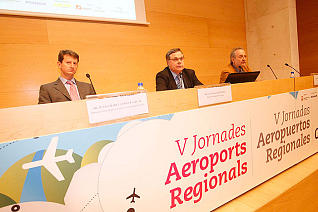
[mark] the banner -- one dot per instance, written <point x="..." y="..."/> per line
<point x="193" y="160"/>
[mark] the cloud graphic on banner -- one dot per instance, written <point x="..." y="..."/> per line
<point x="84" y="196"/>
<point x="141" y="157"/>
<point x="82" y="193"/>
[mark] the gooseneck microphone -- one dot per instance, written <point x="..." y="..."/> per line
<point x="272" y="70"/>
<point x="241" y="69"/>
<point x="184" y="84"/>
<point x="286" y="64"/>
<point x="89" y="77"/>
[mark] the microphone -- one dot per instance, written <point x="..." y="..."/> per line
<point x="272" y="70"/>
<point x="286" y="64"/>
<point x="182" y="81"/>
<point x="89" y="77"/>
<point x="241" y="69"/>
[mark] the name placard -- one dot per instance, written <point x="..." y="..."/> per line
<point x="116" y="107"/>
<point x="213" y="95"/>
<point x="316" y="79"/>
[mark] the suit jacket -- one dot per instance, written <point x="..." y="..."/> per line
<point x="56" y="92"/>
<point x="165" y="80"/>
<point x="230" y="69"/>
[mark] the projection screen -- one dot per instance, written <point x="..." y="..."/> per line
<point x="128" y="11"/>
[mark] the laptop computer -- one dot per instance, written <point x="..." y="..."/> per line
<point x="242" y="77"/>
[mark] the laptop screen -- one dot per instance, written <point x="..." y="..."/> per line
<point x="242" y="77"/>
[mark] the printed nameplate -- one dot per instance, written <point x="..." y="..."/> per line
<point x="213" y="95"/>
<point x="117" y="107"/>
<point x="315" y="79"/>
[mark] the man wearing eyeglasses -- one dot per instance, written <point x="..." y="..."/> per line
<point x="175" y="76"/>
<point x="238" y="63"/>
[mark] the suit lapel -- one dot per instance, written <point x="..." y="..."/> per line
<point x="80" y="89"/>
<point x="172" y="81"/>
<point x="185" y="78"/>
<point x="58" y="85"/>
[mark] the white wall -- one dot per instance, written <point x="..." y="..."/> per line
<point x="271" y="34"/>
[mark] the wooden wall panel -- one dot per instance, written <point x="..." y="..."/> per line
<point x="26" y="66"/>
<point x="118" y="56"/>
<point x="228" y="10"/>
<point x="307" y="26"/>
<point x="19" y="30"/>
<point x="18" y="98"/>
<point x="226" y="34"/>
<point x="164" y="29"/>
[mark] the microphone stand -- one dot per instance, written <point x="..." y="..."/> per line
<point x="272" y="70"/>
<point x="286" y="64"/>
<point x="89" y="77"/>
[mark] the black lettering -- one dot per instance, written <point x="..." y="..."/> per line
<point x="269" y="152"/>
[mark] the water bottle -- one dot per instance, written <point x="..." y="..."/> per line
<point x="292" y="74"/>
<point x="141" y="87"/>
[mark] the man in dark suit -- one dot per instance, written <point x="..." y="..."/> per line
<point x="175" y="76"/>
<point x="65" y="88"/>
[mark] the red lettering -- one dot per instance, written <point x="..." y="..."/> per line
<point x="232" y="174"/>
<point x="237" y="145"/>
<point x="237" y="130"/>
<point x="214" y="160"/>
<point x="218" y="137"/>
<point x="243" y="130"/>
<point x="211" y="185"/>
<point x="194" y="163"/>
<point x="231" y="132"/>
<point x="201" y="139"/>
<point x="238" y="167"/>
<point x="186" y="168"/>
<point x="223" y="159"/>
<point x="175" y="197"/>
<point x="204" y="166"/>
<point x="243" y="148"/>
<point x="230" y="151"/>
<point x="223" y="136"/>
<point x="187" y="192"/>
<point x="244" y="167"/>
<point x="185" y="141"/>
<point x="221" y="175"/>
<point x="173" y="171"/>
<point x="197" y="191"/>
<point x="208" y="140"/>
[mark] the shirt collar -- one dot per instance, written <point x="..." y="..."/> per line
<point x="65" y="80"/>
<point x="236" y="69"/>
<point x="174" y="74"/>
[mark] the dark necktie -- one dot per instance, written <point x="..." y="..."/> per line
<point x="179" y="81"/>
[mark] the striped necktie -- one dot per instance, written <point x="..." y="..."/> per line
<point x="73" y="92"/>
<point x="179" y="81"/>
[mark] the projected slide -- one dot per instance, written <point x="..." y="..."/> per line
<point x="110" y="9"/>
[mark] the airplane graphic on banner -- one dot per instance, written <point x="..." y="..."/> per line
<point x="49" y="160"/>
<point x="133" y="196"/>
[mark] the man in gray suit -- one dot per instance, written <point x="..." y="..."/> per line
<point x="65" y="88"/>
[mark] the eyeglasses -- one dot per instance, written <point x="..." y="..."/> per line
<point x="176" y="59"/>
